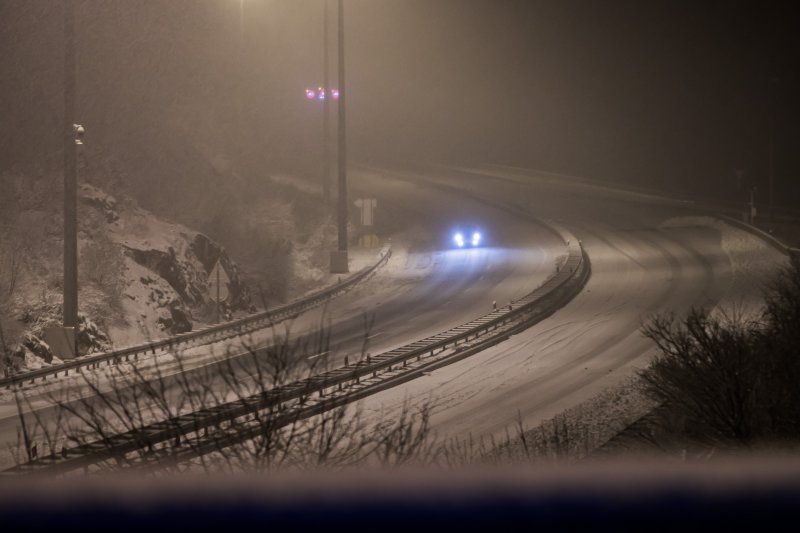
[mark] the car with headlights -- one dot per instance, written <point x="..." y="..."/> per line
<point x="467" y="237"/>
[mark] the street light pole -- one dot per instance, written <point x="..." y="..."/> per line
<point x="326" y="171"/>
<point x="339" y="263"/>
<point x="70" y="176"/>
<point x="772" y="95"/>
<point x="240" y="90"/>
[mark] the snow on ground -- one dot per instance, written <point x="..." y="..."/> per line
<point x="460" y="390"/>
<point x="198" y="356"/>
<point x="582" y="359"/>
<point x="165" y="364"/>
<point x="143" y="304"/>
<point x="139" y="229"/>
<point x="751" y="260"/>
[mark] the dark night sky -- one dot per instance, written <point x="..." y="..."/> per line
<point x="669" y="94"/>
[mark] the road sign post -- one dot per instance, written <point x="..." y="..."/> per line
<point x="367" y="206"/>
<point x="368" y="238"/>
<point x="218" y="281"/>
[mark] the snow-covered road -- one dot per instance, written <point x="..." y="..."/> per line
<point x="645" y="259"/>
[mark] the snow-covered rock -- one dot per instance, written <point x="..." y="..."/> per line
<point x="142" y="277"/>
<point x="100" y="200"/>
<point x="32" y="352"/>
<point x="90" y="338"/>
<point x="166" y="269"/>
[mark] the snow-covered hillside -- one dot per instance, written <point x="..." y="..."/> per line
<point x="140" y="277"/>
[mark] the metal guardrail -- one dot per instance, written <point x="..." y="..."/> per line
<point x="758" y="232"/>
<point x="201" y="337"/>
<point x="523" y="311"/>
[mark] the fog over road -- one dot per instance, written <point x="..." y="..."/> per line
<point x="426" y="287"/>
<point x="646" y="258"/>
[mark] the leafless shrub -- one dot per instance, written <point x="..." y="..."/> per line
<point x="309" y="431"/>
<point x="708" y="372"/>
<point x="10" y="269"/>
<point x="102" y="264"/>
<point x="561" y="439"/>
<point x="729" y="382"/>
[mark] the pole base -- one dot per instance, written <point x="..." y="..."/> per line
<point x="61" y="341"/>
<point x="339" y="263"/>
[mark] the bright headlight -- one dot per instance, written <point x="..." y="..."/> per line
<point x="458" y="238"/>
<point x="476" y="238"/>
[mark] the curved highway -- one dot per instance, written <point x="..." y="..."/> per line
<point x="646" y="258"/>
<point x="425" y="288"/>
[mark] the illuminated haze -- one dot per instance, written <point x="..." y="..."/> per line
<point x="668" y="95"/>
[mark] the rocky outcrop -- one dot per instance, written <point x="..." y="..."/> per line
<point x="90" y="338"/>
<point x="187" y="274"/>
<point x="166" y="264"/>
<point x="156" y="284"/>
<point x="175" y="321"/>
<point x="36" y="346"/>
<point x="32" y="350"/>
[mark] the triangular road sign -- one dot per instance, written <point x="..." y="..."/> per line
<point x="218" y="280"/>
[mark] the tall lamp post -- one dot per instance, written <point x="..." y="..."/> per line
<point x="339" y="263"/>
<point x="72" y="137"/>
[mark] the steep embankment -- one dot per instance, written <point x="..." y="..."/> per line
<point x="139" y="276"/>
